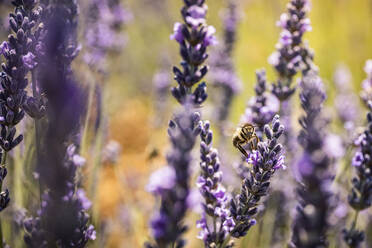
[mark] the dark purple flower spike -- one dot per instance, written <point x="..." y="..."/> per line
<point x="172" y="185"/>
<point x="215" y="205"/>
<point x="265" y="161"/>
<point x="360" y="197"/>
<point x="291" y="55"/>
<point x="194" y="37"/>
<point x="62" y="220"/>
<point x="311" y="224"/>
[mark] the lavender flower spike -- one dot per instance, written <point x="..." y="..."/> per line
<point x="13" y="79"/>
<point x="367" y="83"/>
<point x="62" y="220"/>
<point x="223" y="74"/>
<point x="263" y="107"/>
<point x="361" y="194"/>
<point x="310" y="223"/>
<point x="265" y="162"/>
<point x="194" y="37"/>
<point x="167" y="225"/>
<point x="215" y="204"/>
<point x="291" y="55"/>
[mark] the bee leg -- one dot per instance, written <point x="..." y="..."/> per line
<point x="254" y="142"/>
<point x="241" y="149"/>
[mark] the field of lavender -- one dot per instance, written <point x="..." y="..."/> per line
<point x="186" y="123"/>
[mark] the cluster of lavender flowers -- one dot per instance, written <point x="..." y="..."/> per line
<point x="263" y="106"/>
<point x="62" y="220"/>
<point x="105" y="18"/>
<point x="216" y="222"/>
<point x="311" y="221"/>
<point x="291" y="55"/>
<point x="223" y="74"/>
<point x="19" y="60"/>
<point x="193" y="36"/>
<point x="265" y="161"/>
<point x="360" y="197"/>
<point x="167" y="225"/>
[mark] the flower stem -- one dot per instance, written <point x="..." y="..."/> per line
<point x="355" y="220"/>
<point x="84" y="139"/>
<point x="3" y="161"/>
<point x="36" y="95"/>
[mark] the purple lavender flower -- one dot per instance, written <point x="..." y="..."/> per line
<point x="264" y="163"/>
<point x="310" y="223"/>
<point x="157" y="185"/>
<point x="360" y="197"/>
<point x="291" y="55"/>
<point x="367" y="83"/>
<point x="223" y="74"/>
<point x="103" y="35"/>
<point x="194" y="37"/>
<point x="167" y="225"/>
<point x="62" y="219"/>
<point x="215" y="202"/>
<point x="263" y="107"/>
<point x="29" y="60"/>
<point x="346" y="102"/>
<point x="14" y="81"/>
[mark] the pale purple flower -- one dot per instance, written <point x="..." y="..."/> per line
<point x="196" y="15"/>
<point x="274" y="58"/>
<point x="228" y="224"/>
<point x="282" y="22"/>
<point x="160" y="180"/>
<point x="358" y="159"/>
<point x="210" y="38"/>
<point x="85" y="202"/>
<point x="91" y="233"/>
<point x="334" y="146"/>
<point x="253" y="158"/>
<point x="29" y="60"/>
<point x="78" y="160"/>
<point x="4" y="48"/>
<point x="285" y="38"/>
<point x="368" y="68"/>
<point x="177" y="32"/>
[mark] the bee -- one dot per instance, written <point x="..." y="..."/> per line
<point x="243" y="135"/>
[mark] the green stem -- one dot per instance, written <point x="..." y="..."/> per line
<point x="3" y="161"/>
<point x="227" y="239"/>
<point x="36" y="94"/>
<point x="84" y="139"/>
<point x="353" y="225"/>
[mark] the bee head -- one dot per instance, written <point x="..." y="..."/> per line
<point x="248" y="129"/>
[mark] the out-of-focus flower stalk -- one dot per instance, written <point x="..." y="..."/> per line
<point x="360" y="197"/>
<point x="194" y="37"/>
<point x="223" y="74"/>
<point x="311" y="221"/>
<point x="171" y="182"/>
<point x="62" y="219"/>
